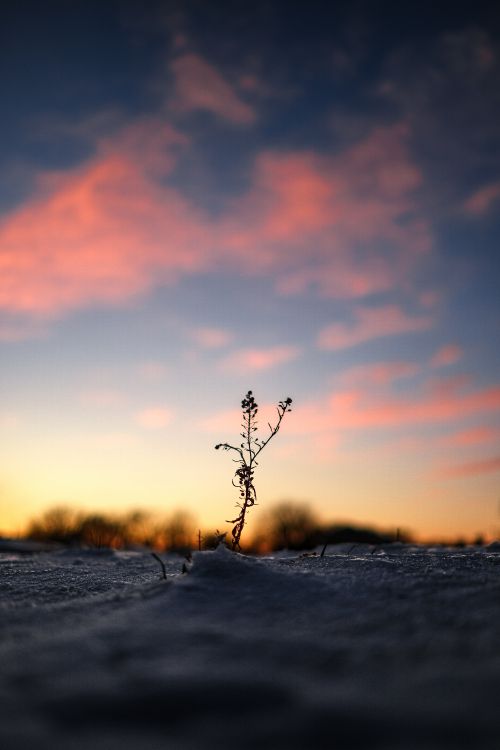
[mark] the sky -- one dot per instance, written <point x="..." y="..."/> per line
<point x="301" y="199"/>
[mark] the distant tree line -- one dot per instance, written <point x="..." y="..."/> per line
<point x="120" y="531"/>
<point x="286" y="525"/>
<point x="294" y="526"/>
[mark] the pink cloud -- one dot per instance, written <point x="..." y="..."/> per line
<point x="470" y="468"/>
<point x="324" y="424"/>
<point x="101" y="233"/>
<point x="154" y="417"/>
<point x="430" y="298"/>
<point x="211" y="338"/>
<point x="347" y="225"/>
<point x="447" y="355"/>
<point x="254" y="360"/>
<point x="113" y="228"/>
<point x="379" y="374"/>
<point x="480" y="202"/>
<point x="200" y="86"/>
<point x="361" y="409"/>
<point x="369" y="324"/>
<point x="473" y="436"/>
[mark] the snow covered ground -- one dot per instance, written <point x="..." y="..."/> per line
<point x="395" y="649"/>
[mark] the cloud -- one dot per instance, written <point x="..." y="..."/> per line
<point x="154" y="417"/>
<point x="470" y="468"/>
<point x="328" y="422"/>
<point x="347" y="225"/>
<point x="101" y="233"/>
<point x="447" y="355"/>
<point x="255" y="360"/>
<point x="483" y="200"/>
<point x="199" y="86"/>
<point x="430" y="298"/>
<point x="473" y="436"/>
<point x="378" y="374"/>
<point x="211" y="338"/>
<point x="369" y="324"/>
<point x="362" y="409"/>
<point x="114" y="228"/>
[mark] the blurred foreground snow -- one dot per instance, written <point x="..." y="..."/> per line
<point x="396" y="649"/>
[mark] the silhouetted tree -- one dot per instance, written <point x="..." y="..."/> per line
<point x="178" y="532"/>
<point x="289" y="525"/>
<point x="101" y="531"/>
<point x="58" y="524"/>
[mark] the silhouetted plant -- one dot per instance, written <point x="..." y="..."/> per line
<point x="248" y="451"/>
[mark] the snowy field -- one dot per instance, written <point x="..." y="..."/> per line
<point x="395" y="649"/>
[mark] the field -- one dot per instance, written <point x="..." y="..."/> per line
<point x="394" y="647"/>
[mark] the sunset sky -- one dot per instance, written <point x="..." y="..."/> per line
<point x="298" y="198"/>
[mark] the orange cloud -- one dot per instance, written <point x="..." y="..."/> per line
<point x="371" y="323"/>
<point x="483" y="200"/>
<point x="254" y="360"/>
<point x="200" y="86"/>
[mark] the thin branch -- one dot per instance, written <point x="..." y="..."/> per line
<point x="157" y="557"/>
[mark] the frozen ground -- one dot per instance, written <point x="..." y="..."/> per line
<point x="396" y="649"/>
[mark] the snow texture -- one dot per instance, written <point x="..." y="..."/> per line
<point x="393" y="648"/>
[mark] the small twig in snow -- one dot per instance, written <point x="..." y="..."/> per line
<point x="156" y="557"/>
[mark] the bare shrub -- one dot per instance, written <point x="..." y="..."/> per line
<point x="178" y="532"/>
<point x="102" y="531"/>
<point x="58" y="524"/>
<point x="289" y="525"/>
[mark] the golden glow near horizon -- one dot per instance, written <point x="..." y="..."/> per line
<point x="115" y="472"/>
<point x="182" y="220"/>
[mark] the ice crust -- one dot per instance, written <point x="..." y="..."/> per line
<point x="397" y="648"/>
